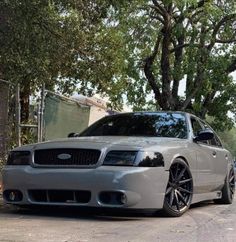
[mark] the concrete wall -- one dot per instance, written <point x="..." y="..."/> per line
<point x="96" y="113"/>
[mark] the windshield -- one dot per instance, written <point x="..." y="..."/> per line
<point x="140" y="124"/>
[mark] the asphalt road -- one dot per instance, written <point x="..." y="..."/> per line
<point x="203" y="222"/>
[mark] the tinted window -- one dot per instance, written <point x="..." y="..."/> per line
<point x="195" y="126"/>
<point x="140" y="124"/>
<point x="215" y="141"/>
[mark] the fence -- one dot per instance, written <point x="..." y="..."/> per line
<point x="10" y="119"/>
<point x="63" y="116"/>
<point x="54" y="116"/>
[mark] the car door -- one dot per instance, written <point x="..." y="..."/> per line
<point x="220" y="157"/>
<point x="205" y="161"/>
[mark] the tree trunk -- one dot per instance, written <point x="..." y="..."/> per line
<point x="165" y="66"/>
<point x="4" y="95"/>
<point x="25" y="103"/>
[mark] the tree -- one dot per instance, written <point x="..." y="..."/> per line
<point x="3" y="119"/>
<point x="56" y="43"/>
<point x="134" y="48"/>
<point x="228" y="137"/>
<point x="169" y="41"/>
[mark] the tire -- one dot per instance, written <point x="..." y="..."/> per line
<point x="228" y="189"/>
<point x="179" y="190"/>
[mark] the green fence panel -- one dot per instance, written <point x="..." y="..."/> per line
<point x="62" y="116"/>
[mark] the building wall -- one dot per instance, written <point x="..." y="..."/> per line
<point x="96" y="113"/>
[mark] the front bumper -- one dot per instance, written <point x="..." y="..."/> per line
<point x="144" y="188"/>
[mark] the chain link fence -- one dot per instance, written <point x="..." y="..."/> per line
<point x="51" y="116"/>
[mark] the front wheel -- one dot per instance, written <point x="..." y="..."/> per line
<point x="179" y="190"/>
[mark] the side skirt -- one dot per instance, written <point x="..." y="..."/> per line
<point x="206" y="196"/>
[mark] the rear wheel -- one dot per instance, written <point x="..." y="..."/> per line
<point x="179" y="189"/>
<point x="228" y="189"/>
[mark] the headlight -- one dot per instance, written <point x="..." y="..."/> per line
<point x="120" y="158"/>
<point x="18" y="158"/>
<point x="151" y="159"/>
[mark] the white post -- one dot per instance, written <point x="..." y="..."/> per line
<point x="41" y="114"/>
<point x="18" y="113"/>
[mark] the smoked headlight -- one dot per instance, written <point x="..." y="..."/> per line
<point x="120" y="158"/>
<point x="151" y="159"/>
<point x="18" y="158"/>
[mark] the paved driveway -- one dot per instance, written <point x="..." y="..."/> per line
<point x="203" y="222"/>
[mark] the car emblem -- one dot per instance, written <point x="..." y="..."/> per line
<point x="64" y="156"/>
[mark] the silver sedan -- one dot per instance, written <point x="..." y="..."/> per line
<point x="143" y="160"/>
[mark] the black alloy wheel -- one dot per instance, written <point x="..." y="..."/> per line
<point x="228" y="189"/>
<point x="231" y="184"/>
<point x="179" y="189"/>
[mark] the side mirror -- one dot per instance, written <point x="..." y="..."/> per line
<point x="206" y="134"/>
<point x="72" y="135"/>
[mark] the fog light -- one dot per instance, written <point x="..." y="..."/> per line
<point x="105" y="197"/>
<point x="123" y="198"/>
<point x="12" y="196"/>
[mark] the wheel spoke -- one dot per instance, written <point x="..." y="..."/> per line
<point x="171" y="175"/>
<point x="177" y="201"/>
<point x="231" y="179"/>
<point x="184" y="190"/>
<point x="232" y="190"/>
<point x="168" y="190"/>
<point x="179" y="189"/>
<point x="181" y="174"/>
<point x="182" y="198"/>
<point x="176" y="173"/>
<point x="171" y="197"/>
<point x="185" y="181"/>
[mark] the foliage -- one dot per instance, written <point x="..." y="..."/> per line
<point x="134" y="50"/>
<point x="56" y="43"/>
<point x="168" y="41"/>
<point x="228" y="137"/>
<point x="59" y="43"/>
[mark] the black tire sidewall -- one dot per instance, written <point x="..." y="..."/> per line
<point x="166" y="208"/>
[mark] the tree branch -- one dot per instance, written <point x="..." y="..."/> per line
<point x="148" y="62"/>
<point x="199" y="4"/>
<point x="183" y="46"/>
<point x="190" y="10"/>
<point x="208" y="100"/>
<point x="232" y="66"/>
<point x="217" y="28"/>
<point x="160" y="8"/>
<point x="227" y="41"/>
<point x="177" y="69"/>
<point x="203" y="54"/>
<point x="156" y="16"/>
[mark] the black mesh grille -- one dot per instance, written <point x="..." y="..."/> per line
<point x="60" y="196"/>
<point x="64" y="157"/>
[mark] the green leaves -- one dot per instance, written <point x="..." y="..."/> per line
<point x="103" y="46"/>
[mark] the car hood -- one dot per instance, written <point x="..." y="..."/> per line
<point x="100" y="142"/>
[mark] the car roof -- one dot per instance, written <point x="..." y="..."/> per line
<point x="152" y="112"/>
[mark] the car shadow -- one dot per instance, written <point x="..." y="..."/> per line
<point x="202" y="204"/>
<point x="84" y="213"/>
<point x="88" y="213"/>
